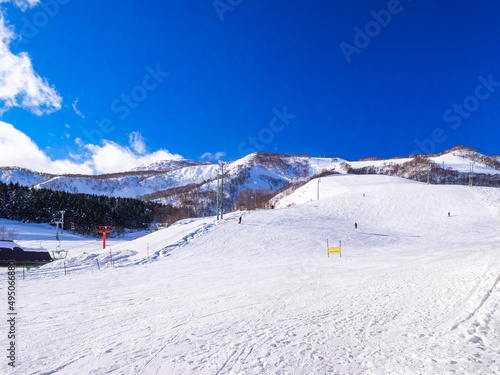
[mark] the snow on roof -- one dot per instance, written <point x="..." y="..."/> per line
<point x="9" y="245"/>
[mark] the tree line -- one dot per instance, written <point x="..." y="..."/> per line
<point x="84" y="212"/>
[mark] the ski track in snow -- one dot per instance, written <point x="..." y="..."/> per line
<point x="415" y="291"/>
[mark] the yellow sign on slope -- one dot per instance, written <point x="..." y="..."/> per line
<point x="334" y="250"/>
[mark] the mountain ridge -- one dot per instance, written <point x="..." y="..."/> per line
<point x="263" y="171"/>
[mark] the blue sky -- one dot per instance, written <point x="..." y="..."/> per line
<point x="229" y="77"/>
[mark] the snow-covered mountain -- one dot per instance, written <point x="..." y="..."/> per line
<point x="22" y="176"/>
<point x="129" y="184"/>
<point x="457" y="159"/>
<point x="270" y="171"/>
<point x="165" y="180"/>
<point x="168" y="165"/>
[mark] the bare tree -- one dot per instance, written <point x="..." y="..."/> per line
<point x="7" y="234"/>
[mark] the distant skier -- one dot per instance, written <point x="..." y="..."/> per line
<point x="363" y="194"/>
<point x="239" y="222"/>
<point x="355" y="225"/>
<point x="448" y="214"/>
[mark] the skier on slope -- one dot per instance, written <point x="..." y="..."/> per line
<point x="239" y="222"/>
<point x="356" y="225"/>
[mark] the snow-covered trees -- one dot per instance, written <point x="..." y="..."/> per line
<point x="83" y="212"/>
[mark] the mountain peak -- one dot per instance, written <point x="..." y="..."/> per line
<point x="168" y="165"/>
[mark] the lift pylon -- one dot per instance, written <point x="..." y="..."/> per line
<point x="104" y="230"/>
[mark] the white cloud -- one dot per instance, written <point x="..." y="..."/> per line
<point x="76" y="109"/>
<point x="210" y="156"/>
<point x="79" y="142"/>
<point x="23" y="4"/>
<point x="19" y="150"/>
<point x="111" y="157"/>
<point x="137" y="143"/>
<point x="20" y="85"/>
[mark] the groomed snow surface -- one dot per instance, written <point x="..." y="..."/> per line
<point x="415" y="291"/>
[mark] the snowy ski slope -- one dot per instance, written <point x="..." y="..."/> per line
<point x="415" y="291"/>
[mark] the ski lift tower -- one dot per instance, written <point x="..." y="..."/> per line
<point x="220" y="190"/>
<point x="471" y="173"/>
<point x="62" y="220"/>
<point x="57" y="222"/>
<point x="104" y="230"/>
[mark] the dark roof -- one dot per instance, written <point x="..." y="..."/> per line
<point x="21" y="256"/>
<point x="10" y="251"/>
